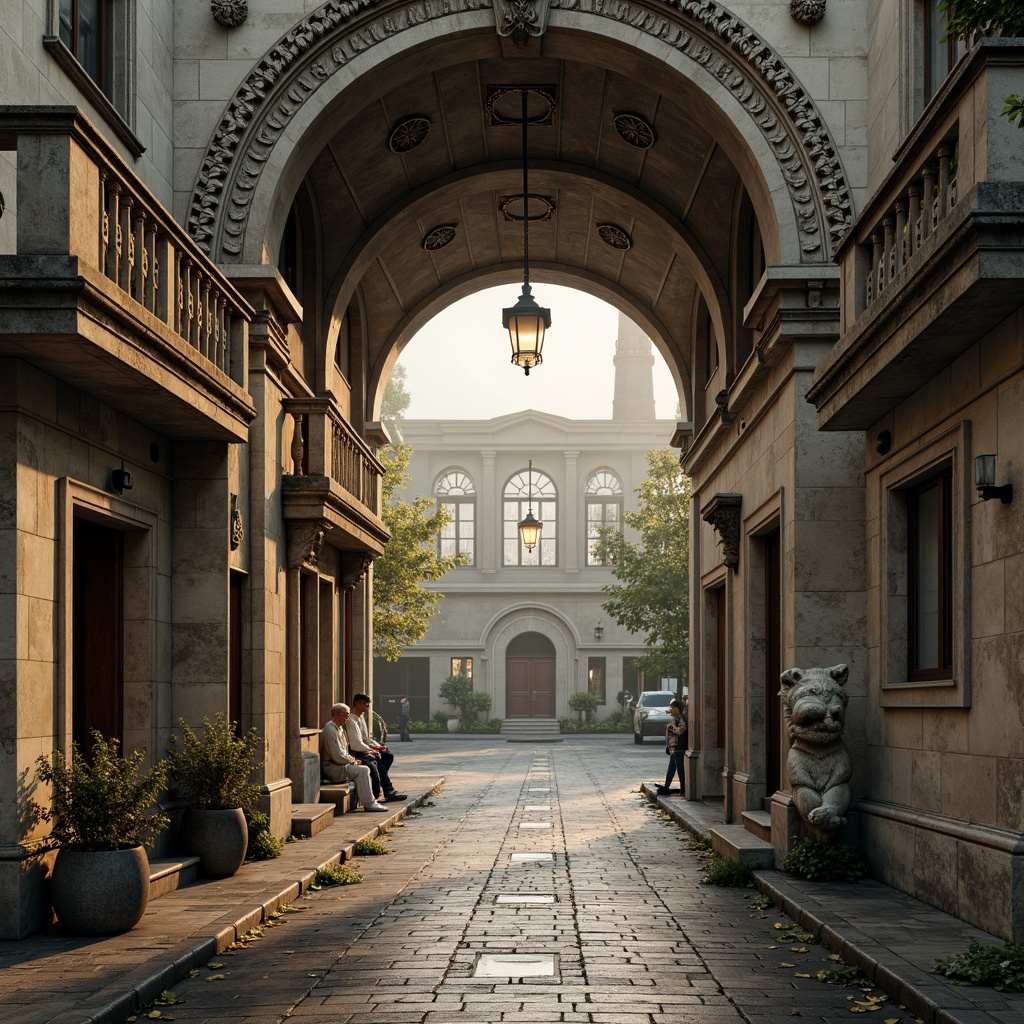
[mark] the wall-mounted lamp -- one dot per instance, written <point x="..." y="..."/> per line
<point x="985" y="480"/>
<point x="598" y="631"/>
<point x="120" y="480"/>
<point x="529" y="527"/>
<point x="526" y="322"/>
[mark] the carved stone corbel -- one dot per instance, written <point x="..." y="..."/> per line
<point x="722" y="401"/>
<point x="520" y="19"/>
<point x="354" y="566"/>
<point x="305" y="544"/>
<point x="807" y="12"/>
<point x="229" y="13"/>
<point x="723" y="513"/>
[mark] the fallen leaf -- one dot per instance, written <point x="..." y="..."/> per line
<point x="787" y="965"/>
<point x="794" y="1013"/>
<point x="892" y="1020"/>
<point x="214" y="967"/>
<point x="215" y="977"/>
<point x="773" y="947"/>
<point x="779" y="925"/>
<point x="798" y="949"/>
<point x="801" y="975"/>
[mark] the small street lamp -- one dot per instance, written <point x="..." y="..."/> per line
<point x="529" y="527"/>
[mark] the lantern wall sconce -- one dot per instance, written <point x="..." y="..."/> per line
<point x="598" y="631"/>
<point x="985" y="480"/>
<point x="526" y="321"/>
<point x="529" y="527"/>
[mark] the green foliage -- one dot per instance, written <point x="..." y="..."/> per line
<point x="585" y="704"/>
<point x="370" y="848"/>
<point x="999" y="966"/>
<point x="100" y="800"/>
<point x="337" y="874"/>
<point x="212" y="772"/>
<point x="458" y="693"/>
<point x="616" y="722"/>
<point x="263" y="844"/>
<point x="1013" y="111"/>
<point x="652" y="593"/>
<point x="402" y="607"/>
<point x="825" y="862"/>
<point x="728" y="871"/>
<point x="396" y="398"/>
<point x="848" y="977"/>
<point x="970" y="18"/>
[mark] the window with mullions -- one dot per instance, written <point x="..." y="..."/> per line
<point x="603" y="495"/>
<point x="930" y="578"/>
<point x="85" y="28"/>
<point x="596" y="678"/>
<point x="456" y="494"/>
<point x="940" y="55"/>
<point x="517" y="501"/>
<point x="462" y="667"/>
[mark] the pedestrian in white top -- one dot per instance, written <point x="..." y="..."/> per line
<point x="372" y="753"/>
<point x="338" y="765"/>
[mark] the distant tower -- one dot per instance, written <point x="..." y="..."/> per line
<point x="634" y="374"/>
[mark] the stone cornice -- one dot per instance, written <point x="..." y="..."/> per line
<point x="328" y="38"/>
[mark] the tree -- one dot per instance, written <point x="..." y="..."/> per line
<point x="402" y="607"/>
<point x="652" y="596"/>
<point x="396" y="398"/>
<point x="971" y="18"/>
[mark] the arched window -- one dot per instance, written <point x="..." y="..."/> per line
<point x="456" y="494"/>
<point x="516" y="503"/>
<point x="604" y="510"/>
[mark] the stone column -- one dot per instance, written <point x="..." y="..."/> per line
<point x="488" y="517"/>
<point x="570" y="515"/>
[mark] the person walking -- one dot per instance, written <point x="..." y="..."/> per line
<point x="406" y="714"/>
<point x="676" y="744"/>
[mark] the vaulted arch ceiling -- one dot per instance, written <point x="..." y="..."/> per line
<point x="647" y="221"/>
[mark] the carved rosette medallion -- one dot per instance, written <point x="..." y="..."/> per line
<point x="440" y="236"/>
<point x="635" y="130"/>
<point x="546" y="204"/>
<point x="306" y="544"/>
<point x="723" y="513"/>
<point x="613" y="235"/>
<point x="503" y="105"/>
<point x="808" y="12"/>
<point x="259" y="113"/>
<point x="408" y="134"/>
<point x="229" y="13"/>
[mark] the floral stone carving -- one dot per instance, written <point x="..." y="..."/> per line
<point x="229" y="13"/>
<point x="814" y="708"/>
<point x="809" y="12"/>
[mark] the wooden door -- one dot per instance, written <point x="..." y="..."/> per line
<point x="97" y="632"/>
<point x="772" y="662"/>
<point x="530" y="688"/>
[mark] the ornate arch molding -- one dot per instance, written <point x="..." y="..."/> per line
<point x="329" y="38"/>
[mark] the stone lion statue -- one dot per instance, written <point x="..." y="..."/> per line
<point x="814" y="708"/>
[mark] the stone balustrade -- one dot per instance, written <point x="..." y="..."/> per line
<point x="78" y="197"/>
<point x="325" y="445"/>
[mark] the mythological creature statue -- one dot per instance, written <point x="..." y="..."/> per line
<point x="814" y="708"/>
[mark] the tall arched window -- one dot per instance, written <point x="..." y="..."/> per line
<point x="517" y="500"/>
<point x="456" y="494"/>
<point x="604" y="510"/>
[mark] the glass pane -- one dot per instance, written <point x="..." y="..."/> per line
<point x="466" y="530"/>
<point x="512" y="551"/>
<point x="89" y="28"/>
<point x="468" y="511"/>
<point x="466" y="549"/>
<point x="67" y="33"/>
<point x="926" y="582"/>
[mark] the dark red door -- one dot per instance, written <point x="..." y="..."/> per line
<point x="530" y="688"/>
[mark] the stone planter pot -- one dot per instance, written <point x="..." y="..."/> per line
<point x="453" y="725"/>
<point x="217" y="838"/>
<point x="99" y="891"/>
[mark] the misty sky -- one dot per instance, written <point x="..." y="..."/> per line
<point x="459" y="365"/>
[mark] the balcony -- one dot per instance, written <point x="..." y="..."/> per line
<point x="335" y="479"/>
<point x="934" y="259"/>
<point x="109" y="294"/>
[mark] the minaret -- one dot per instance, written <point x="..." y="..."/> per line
<point x="634" y="374"/>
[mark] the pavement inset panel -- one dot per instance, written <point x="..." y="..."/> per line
<point x="515" y="965"/>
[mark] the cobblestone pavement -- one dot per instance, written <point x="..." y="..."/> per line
<point x="538" y="887"/>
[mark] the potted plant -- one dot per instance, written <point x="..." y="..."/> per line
<point x="102" y="815"/>
<point x="212" y="772"/>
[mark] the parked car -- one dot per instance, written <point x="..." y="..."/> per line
<point x="651" y="714"/>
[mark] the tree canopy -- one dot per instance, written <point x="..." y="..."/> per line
<point x="396" y="398"/>
<point x="402" y="607"/>
<point x="652" y="596"/>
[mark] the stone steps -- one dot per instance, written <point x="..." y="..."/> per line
<point x="341" y="794"/>
<point x="736" y="842"/>
<point x="531" y="730"/>
<point x="758" y="823"/>
<point x="169" y="873"/>
<point x="311" y="819"/>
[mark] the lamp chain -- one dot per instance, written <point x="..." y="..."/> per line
<point x="526" y="209"/>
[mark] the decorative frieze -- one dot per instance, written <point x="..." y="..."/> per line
<point x="723" y="513"/>
<point x="328" y="38"/>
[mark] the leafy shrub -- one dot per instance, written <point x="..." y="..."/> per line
<point x="848" y="977"/>
<point x="100" y="800"/>
<point x="458" y="693"/>
<point x="212" y="772"/>
<point x="615" y="722"/>
<point x="585" y="704"/>
<point x="337" y="874"/>
<point x="263" y="844"/>
<point x="826" y="862"/>
<point x="999" y="966"/>
<point x="728" y="871"/>
<point x="370" y="848"/>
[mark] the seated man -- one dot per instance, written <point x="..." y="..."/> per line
<point x="365" y="747"/>
<point x="338" y="765"/>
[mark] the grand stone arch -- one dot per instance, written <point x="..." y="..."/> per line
<point x="261" y="146"/>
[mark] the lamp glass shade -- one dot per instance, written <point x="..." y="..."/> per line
<point x="984" y="471"/>
<point x="526" y="323"/>
<point x="529" y="531"/>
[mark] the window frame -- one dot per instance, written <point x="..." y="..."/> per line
<point x="897" y="481"/>
<point x="464" y="496"/>
<point x="599" y="664"/>
<point x="461" y="665"/>
<point x="544" y="493"/>
<point x="613" y="499"/>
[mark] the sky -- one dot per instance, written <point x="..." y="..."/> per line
<point x="459" y="365"/>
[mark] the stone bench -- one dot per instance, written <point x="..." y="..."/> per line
<point x="341" y="794"/>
